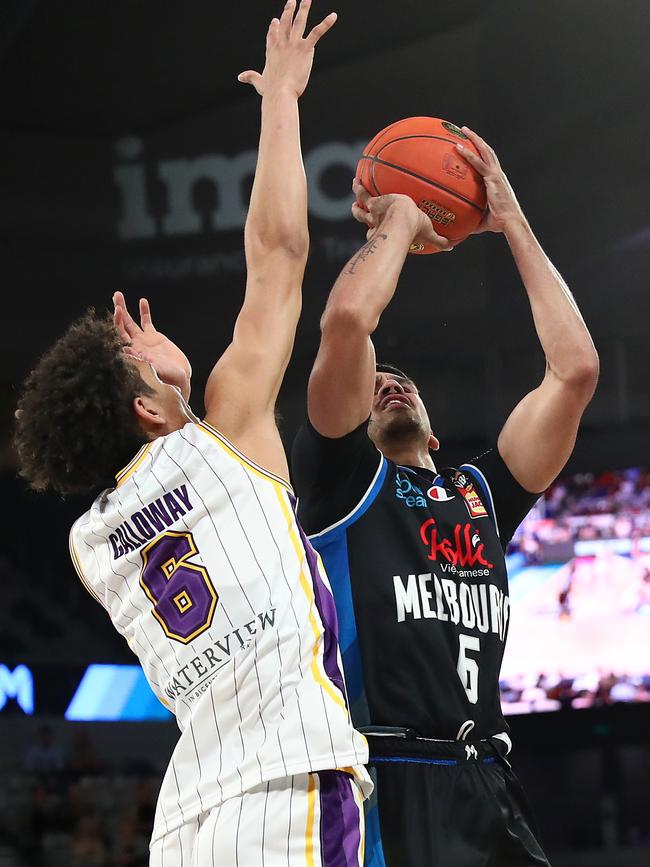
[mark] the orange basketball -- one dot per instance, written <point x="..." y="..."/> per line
<point x="418" y="157"/>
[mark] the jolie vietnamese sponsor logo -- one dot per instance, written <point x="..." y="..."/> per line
<point x="140" y="180"/>
<point x="465" y="548"/>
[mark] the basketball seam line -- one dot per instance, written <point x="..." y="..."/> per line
<point x="421" y="178"/>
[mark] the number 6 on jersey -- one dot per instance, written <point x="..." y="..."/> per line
<point x="467" y="667"/>
<point x="183" y="596"/>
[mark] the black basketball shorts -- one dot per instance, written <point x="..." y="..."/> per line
<point x="447" y="805"/>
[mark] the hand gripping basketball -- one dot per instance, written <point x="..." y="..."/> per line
<point x="372" y="210"/>
<point x="417" y="157"/>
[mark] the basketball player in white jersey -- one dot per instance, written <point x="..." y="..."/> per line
<point x="194" y="549"/>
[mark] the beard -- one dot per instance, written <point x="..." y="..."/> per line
<point x="398" y="428"/>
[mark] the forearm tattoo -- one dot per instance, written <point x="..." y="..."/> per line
<point x="367" y="250"/>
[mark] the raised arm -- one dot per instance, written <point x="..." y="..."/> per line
<point x="242" y="389"/>
<point x="539" y="436"/>
<point x="341" y="384"/>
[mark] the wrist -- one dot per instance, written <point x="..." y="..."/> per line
<point x="515" y="225"/>
<point x="406" y="212"/>
<point x="280" y="92"/>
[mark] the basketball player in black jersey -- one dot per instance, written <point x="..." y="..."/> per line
<point x="415" y="554"/>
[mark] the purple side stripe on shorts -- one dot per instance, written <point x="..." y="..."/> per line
<point x="340" y="832"/>
<point x="327" y="611"/>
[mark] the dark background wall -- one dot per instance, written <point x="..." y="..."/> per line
<point x="107" y="108"/>
<point x="91" y="93"/>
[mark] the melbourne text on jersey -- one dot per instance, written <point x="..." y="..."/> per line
<point x="477" y="606"/>
<point x="147" y="522"/>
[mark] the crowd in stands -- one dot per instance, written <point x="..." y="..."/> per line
<point x="587" y="508"/>
<point x="614" y="491"/>
<point x="557" y="691"/>
<point x="69" y="808"/>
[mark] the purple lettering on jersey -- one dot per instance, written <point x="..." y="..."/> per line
<point x="143" y="525"/>
<point x="118" y="550"/>
<point x="182" y="592"/>
<point x="158" y="515"/>
<point x="181" y="493"/>
<point x="175" y="509"/>
<point x="128" y="529"/>
<point x="126" y="544"/>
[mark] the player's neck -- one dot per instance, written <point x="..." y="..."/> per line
<point x="409" y="454"/>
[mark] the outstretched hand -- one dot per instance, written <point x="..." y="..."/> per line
<point x="289" y="53"/>
<point x="371" y="210"/>
<point x="143" y="341"/>
<point x="503" y="207"/>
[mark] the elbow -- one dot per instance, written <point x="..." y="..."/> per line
<point x="348" y="318"/>
<point x="269" y="238"/>
<point x="584" y="373"/>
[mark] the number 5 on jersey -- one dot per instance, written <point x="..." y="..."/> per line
<point x="183" y="595"/>
<point x="467" y="667"/>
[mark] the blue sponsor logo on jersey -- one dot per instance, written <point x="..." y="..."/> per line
<point x="409" y="493"/>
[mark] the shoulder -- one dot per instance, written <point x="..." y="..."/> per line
<point x="322" y="462"/>
<point x="333" y="476"/>
<point x="80" y="548"/>
<point x="505" y="499"/>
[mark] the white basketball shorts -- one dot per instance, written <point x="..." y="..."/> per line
<point x="308" y="820"/>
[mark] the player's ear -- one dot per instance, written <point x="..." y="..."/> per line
<point x="148" y="412"/>
<point x="434" y="443"/>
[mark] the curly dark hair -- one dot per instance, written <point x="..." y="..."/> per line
<point x="75" y="427"/>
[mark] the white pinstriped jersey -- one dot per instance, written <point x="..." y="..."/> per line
<point x="197" y="557"/>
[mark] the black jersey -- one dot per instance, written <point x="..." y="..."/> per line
<point x="416" y="562"/>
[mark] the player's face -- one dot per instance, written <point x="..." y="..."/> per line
<point x="167" y="399"/>
<point x="397" y="409"/>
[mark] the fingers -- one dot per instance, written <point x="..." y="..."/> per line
<point x="321" y="29"/>
<point x="119" y="306"/>
<point x="300" y="21"/>
<point x="287" y="17"/>
<point x="131" y="353"/>
<point x="440" y="241"/>
<point x="487" y="153"/>
<point x="145" y="314"/>
<point x="475" y="161"/>
<point x="251" y="77"/>
<point x="118" y="322"/>
<point x="362" y="216"/>
<point x="362" y="194"/>
<point x="127" y="326"/>
<point x="272" y="33"/>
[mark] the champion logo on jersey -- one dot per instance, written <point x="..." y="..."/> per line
<point x="436" y="492"/>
